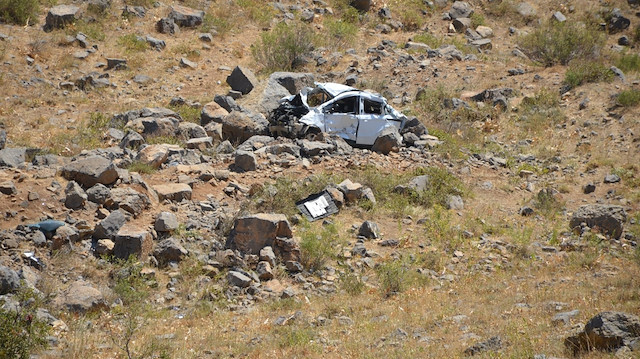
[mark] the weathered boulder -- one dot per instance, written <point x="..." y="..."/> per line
<point x="175" y="192"/>
<point x="166" y="222"/>
<point x="91" y="170"/>
<point x="64" y="235"/>
<point x="281" y="84"/>
<point x="242" y="79"/>
<point x="607" y="218"/>
<point x="132" y="241"/>
<point x="238" y="279"/>
<point x="246" y="161"/>
<point x="460" y="9"/>
<point x="362" y="5"/>
<point x="75" y="197"/>
<point x="252" y="233"/>
<point x="169" y="250"/>
<point x="190" y="130"/>
<point x="8" y="188"/>
<point x="617" y="21"/>
<point x="108" y="228"/>
<point x="185" y="16"/>
<point x="60" y="16"/>
<point x="606" y="331"/>
<point x="315" y="148"/>
<point x="239" y="126"/>
<point x="81" y="297"/>
<point x="388" y="140"/>
<point x="156" y="155"/>
<point x="526" y="10"/>
<point x="127" y="199"/>
<point x="369" y="230"/>
<point x="352" y="191"/>
<point x="9" y="280"/>
<point x="167" y="25"/>
<point x="99" y="193"/>
<point x="212" y="112"/>
<point x="12" y="157"/>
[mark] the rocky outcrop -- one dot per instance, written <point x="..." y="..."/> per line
<point x="252" y="233"/>
<point x="606" y="218"/>
<point x="606" y="331"/>
<point x="91" y="170"/>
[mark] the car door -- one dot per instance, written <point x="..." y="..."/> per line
<point x="340" y="117"/>
<point x="371" y="121"/>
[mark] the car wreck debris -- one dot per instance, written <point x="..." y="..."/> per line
<point x="317" y="206"/>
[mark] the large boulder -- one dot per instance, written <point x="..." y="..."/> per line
<point x="186" y="17"/>
<point x="246" y="161"/>
<point x="12" y="157"/>
<point x="460" y="9"/>
<point x="91" y="170"/>
<point x="606" y="331"/>
<point x="252" y="233"/>
<point x="9" y="280"/>
<point x="60" y="16"/>
<point x="607" y="218"/>
<point x="81" y="297"/>
<point x="388" y="140"/>
<point x="169" y="250"/>
<point x="212" y="112"/>
<point x="127" y="199"/>
<point x="238" y="127"/>
<point x="175" y="192"/>
<point x="108" y="228"/>
<point x="75" y="197"/>
<point x="282" y="84"/>
<point x="242" y="80"/>
<point x="132" y="241"/>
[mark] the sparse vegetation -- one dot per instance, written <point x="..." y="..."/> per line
<point x="87" y="135"/>
<point x="188" y="113"/>
<point x="629" y="62"/>
<point x="132" y="43"/>
<point x="340" y="34"/>
<point x="393" y="276"/>
<point x="318" y="246"/>
<point x="283" y="48"/>
<point x="22" y="331"/>
<point x="540" y="111"/>
<point x="629" y="98"/>
<point x="141" y="167"/>
<point x="583" y="72"/>
<point x="20" y="12"/>
<point x="409" y="12"/>
<point x="559" y="43"/>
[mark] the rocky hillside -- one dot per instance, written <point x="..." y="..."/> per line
<point x="149" y="212"/>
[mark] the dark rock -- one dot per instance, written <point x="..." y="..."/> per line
<point x="3" y="139"/>
<point x="116" y="64"/>
<point x="227" y="102"/>
<point x="169" y="250"/>
<point x="491" y="344"/>
<point x="252" y="233"/>
<point x="362" y="5"/>
<point x="624" y="41"/>
<point x="609" y="219"/>
<point x="315" y="148"/>
<point x="246" y="161"/>
<point x="9" y="280"/>
<point x="60" y="16"/>
<point x="129" y="11"/>
<point x="8" y="188"/>
<point x="157" y="44"/>
<point x="526" y="211"/>
<point x="369" y="230"/>
<point x="132" y="241"/>
<point x="108" y="228"/>
<point x="239" y="126"/>
<point x="75" y="196"/>
<point x="618" y="22"/>
<point x="606" y="331"/>
<point x="293" y="266"/>
<point x="461" y="24"/>
<point x="166" y="222"/>
<point x="388" y="140"/>
<point x="98" y="6"/>
<point x="589" y="188"/>
<point x="175" y="192"/>
<point x="91" y="170"/>
<point x="264" y="271"/>
<point x="460" y="9"/>
<point x="238" y="279"/>
<point x="166" y="25"/>
<point x="242" y="79"/>
<point x="186" y="17"/>
<point x="127" y="199"/>
<point x="12" y="157"/>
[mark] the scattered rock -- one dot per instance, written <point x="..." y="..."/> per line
<point x="12" y="157"/>
<point x="238" y="279"/>
<point x="242" y="80"/>
<point x="252" y="233"/>
<point x="91" y="170"/>
<point x="60" y="16"/>
<point x="606" y="331"/>
<point x="132" y="241"/>
<point x="589" y="188"/>
<point x="75" y="196"/>
<point x="186" y="17"/>
<point x="166" y="222"/>
<point x="454" y="202"/>
<point x="108" y="228"/>
<point x="169" y="250"/>
<point x="491" y="344"/>
<point x="611" y="178"/>
<point x="175" y="192"/>
<point x="617" y="21"/>
<point x="167" y="25"/>
<point x="369" y="230"/>
<point x="607" y="218"/>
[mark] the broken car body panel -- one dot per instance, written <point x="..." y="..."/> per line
<point x="354" y="115"/>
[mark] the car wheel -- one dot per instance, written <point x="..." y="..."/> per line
<point x="313" y="134"/>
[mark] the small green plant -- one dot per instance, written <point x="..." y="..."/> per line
<point x="284" y="47"/>
<point x="629" y="63"/>
<point x="281" y="195"/>
<point x="316" y="249"/>
<point x="88" y="135"/>
<point x="187" y="50"/>
<point x="393" y="276"/>
<point x="22" y="332"/>
<point x="540" y="111"/>
<point x="141" y="167"/>
<point x="132" y="43"/>
<point x="159" y="140"/>
<point x="351" y="283"/>
<point x="214" y="22"/>
<point x="295" y="336"/>
<point x="559" y="43"/>
<point x="93" y="29"/>
<point x="583" y="72"/>
<point x="340" y="34"/>
<point x="628" y="174"/>
<point x="629" y="98"/>
<point x="477" y="20"/>
<point x="547" y="202"/>
<point x="19" y="12"/>
<point x="145" y="3"/>
<point x="441" y="185"/>
<point x="188" y="113"/>
<point x="410" y="13"/>
<point x="131" y="286"/>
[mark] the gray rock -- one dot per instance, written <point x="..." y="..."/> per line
<point x="611" y="178"/>
<point x="293" y="266"/>
<point x="154" y="43"/>
<point x="461" y="24"/>
<point x="252" y="233"/>
<point x="12" y="157"/>
<point x="75" y="196"/>
<point x="607" y="218"/>
<point x="281" y="84"/>
<point x="186" y="17"/>
<point x="246" y="161"/>
<point x="212" y="112"/>
<point x="558" y="17"/>
<point x="81" y="297"/>
<point x="242" y="80"/>
<point x="362" y="5"/>
<point x="239" y="126"/>
<point x="169" y="250"/>
<point x="606" y="331"/>
<point x="127" y="199"/>
<point x="3" y="139"/>
<point x="104" y="247"/>
<point x="186" y="63"/>
<point x="132" y="241"/>
<point x="9" y="280"/>
<point x="238" y="279"/>
<point x="454" y="202"/>
<point x="142" y="79"/>
<point x="8" y="188"/>
<point x="166" y="222"/>
<point x="315" y="148"/>
<point x="227" y="102"/>
<point x="619" y="74"/>
<point x="417" y="184"/>
<point x="352" y="191"/>
<point x="108" y="228"/>
<point x="589" y="188"/>
<point x="205" y="37"/>
<point x="618" y="22"/>
<point x="91" y="170"/>
<point x="482" y="44"/>
<point x="99" y="6"/>
<point x="190" y="130"/>
<point x="175" y="192"/>
<point x="59" y="16"/>
<point x="225" y="147"/>
<point x="369" y="230"/>
<point x="99" y="193"/>
<point x="267" y="255"/>
<point x="137" y="11"/>
<point x="116" y="64"/>
<point x="167" y="25"/>
<point x="564" y="317"/>
<point x="460" y="9"/>
<point x="264" y="271"/>
<point x="491" y="344"/>
<point x="388" y="140"/>
<point x="526" y="10"/>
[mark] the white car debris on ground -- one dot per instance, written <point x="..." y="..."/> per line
<point x="356" y="116"/>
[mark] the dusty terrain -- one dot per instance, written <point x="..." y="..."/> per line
<point x="453" y="278"/>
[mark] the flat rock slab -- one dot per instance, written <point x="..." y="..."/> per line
<point x="186" y="17"/>
<point x="175" y="192"/>
<point x="59" y="16"/>
<point x="252" y="233"/>
<point x="132" y="241"/>
<point x="81" y="297"/>
<point x="91" y="170"/>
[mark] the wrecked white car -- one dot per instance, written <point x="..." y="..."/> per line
<point x="356" y="116"/>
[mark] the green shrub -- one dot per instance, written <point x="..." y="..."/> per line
<point x="317" y="248"/>
<point x="93" y="29"/>
<point x="132" y="43"/>
<point x="19" y="12"/>
<point x="340" y="34"/>
<point x="559" y="43"/>
<point x="283" y="48"/>
<point x="188" y="113"/>
<point x="540" y="111"/>
<point x="442" y="184"/>
<point x="88" y="135"/>
<point x="141" y="167"/>
<point x="477" y="20"/>
<point x="629" y="63"/>
<point x="351" y="283"/>
<point x="281" y="195"/>
<point x="629" y="98"/>
<point x="215" y="22"/>
<point x="409" y="12"/>
<point x="22" y="333"/>
<point x="583" y="72"/>
<point x="393" y="277"/>
<point x="258" y="11"/>
<point x="130" y="286"/>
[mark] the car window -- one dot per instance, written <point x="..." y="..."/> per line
<point x="317" y="98"/>
<point x="372" y="107"/>
<point x="345" y="105"/>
